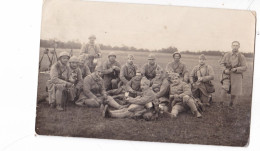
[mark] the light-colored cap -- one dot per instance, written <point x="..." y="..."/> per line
<point x="202" y="56"/>
<point x="130" y="56"/>
<point x="74" y="59"/>
<point x="92" y="37"/>
<point x="64" y="53"/>
<point x="176" y="53"/>
<point x="151" y="57"/>
<point x="112" y="54"/>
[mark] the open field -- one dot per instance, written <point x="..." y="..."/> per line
<point x="219" y="125"/>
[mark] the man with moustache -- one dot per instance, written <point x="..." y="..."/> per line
<point x="149" y="69"/>
<point x="128" y="71"/>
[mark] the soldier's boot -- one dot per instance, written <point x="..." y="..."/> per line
<point x="59" y="108"/>
<point x="105" y="112"/>
<point x="174" y="113"/>
<point x="197" y="114"/>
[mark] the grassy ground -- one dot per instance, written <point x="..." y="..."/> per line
<point x="219" y="125"/>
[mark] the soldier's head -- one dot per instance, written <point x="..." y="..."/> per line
<point x="92" y="39"/>
<point x="202" y="59"/>
<point x="74" y="62"/>
<point x="176" y="56"/>
<point x="82" y="59"/>
<point x="151" y="59"/>
<point x="145" y="83"/>
<point x="98" y="70"/>
<point x="235" y="46"/>
<point x="112" y="56"/>
<point x="130" y="59"/>
<point x="175" y="78"/>
<point x="64" y="57"/>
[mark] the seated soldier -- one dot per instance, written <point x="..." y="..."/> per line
<point x="83" y="67"/>
<point x="59" y="83"/>
<point x="111" y="70"/>
<point x="128" y="70"/>
<point x="94" y="94"/>
<point x="200" y="78"/>
<point x="141" y="106"/>
<point x="177" y="66"/>
<point x="134" y="85"/>
<point x="149" y="69"/>
<point x="181" y="97"/>
<point x="75" y="77"/>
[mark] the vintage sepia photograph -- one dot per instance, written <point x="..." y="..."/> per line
<point x="141" y="72"/>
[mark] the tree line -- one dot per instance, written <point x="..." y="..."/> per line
<point x="77" y="45"/>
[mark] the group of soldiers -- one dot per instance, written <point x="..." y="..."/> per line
<point x="147" y="91"/>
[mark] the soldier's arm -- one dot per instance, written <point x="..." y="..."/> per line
<point x="210" y="76"/>
<point x="79" y="85"/>
<point x="243" y="66"/>
<point x="103" y="89"/>
<point x="143" y="100"/>
<point x="192" y="75"/>
<point x="86" y="87"/>
<point x="186" y="90"/>
<point x="87" y="70"/>
<point x="106" y="70"/>
<point x="128" y="87"/>
<point x="122" y="75"/>
<point x="83" y="49"/>
<point x="164" y="89"/>
<point x="98" y="51"/>
<point x="185" y="74"/>
<point x="54" y="74"/>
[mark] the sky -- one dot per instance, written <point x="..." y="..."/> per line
<point x="148" y="26"/>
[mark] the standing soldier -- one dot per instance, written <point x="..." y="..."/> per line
<point x="233" y="64"/>
<point x="93" y="52"/>
<point x="149" y="69"/>
<point x="200" y="79"/>
<point x="59" y="84"/>
<point x="83" y="67"/>
<point x="111" y="70"/>
<point x="139" y="106"/>
<point x="181" y="97"/>
<point x="75" y="77"/>
<point x="94" y="94"/>
<point x="178" y="67"/>
<point x="128" y="70"/>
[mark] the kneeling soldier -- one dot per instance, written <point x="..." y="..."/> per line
<point x="94" y="94"/>
<point x="59" y="84"/>
<point x="139" y="106"/>
<point x="180" y="94"/>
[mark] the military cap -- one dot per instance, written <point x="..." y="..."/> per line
<point x="92" y="37"/>
<point x="64" y="53"/>
<point x="145" y="81"/>
<point x="130" y="56"/>
<point x="176" y="53"/>
<point x="74" y="59"/>
<point x="112" y="54"/>
<point x="151" y="57"/>
<point x="202" y="56"/>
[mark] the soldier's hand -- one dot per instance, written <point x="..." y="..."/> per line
<point x="226" y="71"/>
<point x="200" y="79"/>
<point x="234" y="69"/>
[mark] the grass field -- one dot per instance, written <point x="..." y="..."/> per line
<point x="219" y="125"/>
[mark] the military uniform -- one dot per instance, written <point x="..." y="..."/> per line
<point x="139" y="106"/>
<point x="233" y="79"/>
<point x="180" y="68"/>
<point x="94" y="94"/>
<point x="91" y="49"/>
<point x="127" y="72"/>
<point x="134" y="86"/>
<point x="149" y="71"/>
<point x="75" y="77"/>
<point x="111" y="76"/>
<point x="184" y="101"/>
<point x="199" y="89"/>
